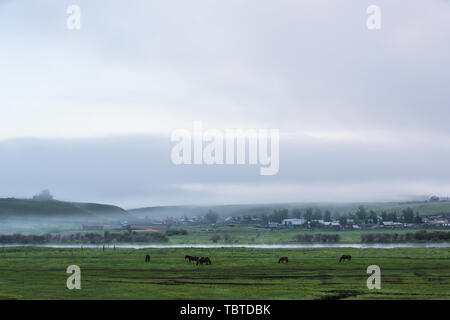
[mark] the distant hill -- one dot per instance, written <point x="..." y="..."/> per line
<point x="158" y="212"/>
<point x="11" y="208"/>
<point x="167" y="211"/>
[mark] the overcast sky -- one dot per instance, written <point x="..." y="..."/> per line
<point x="363" y="114"/>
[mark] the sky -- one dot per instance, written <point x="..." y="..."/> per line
<point x="362" y="114"/>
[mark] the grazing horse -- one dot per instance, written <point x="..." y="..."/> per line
<point x="147" y="258"/>
<point x="345" y="257"/>
<point x="191" y="258"/>
<point x="204" y="260"/>
<point x="283" y="259"/>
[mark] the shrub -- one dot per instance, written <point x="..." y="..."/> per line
<point x="176" y="232"/>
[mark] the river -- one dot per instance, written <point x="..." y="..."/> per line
<point x="255" y="246"/>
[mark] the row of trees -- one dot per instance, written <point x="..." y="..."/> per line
<point x="362" y="215"/>
<point x="94" y="238"/>
<point x="176" y="232"/>
<point x="318" y="237"/>
<point x="410" y="236"/>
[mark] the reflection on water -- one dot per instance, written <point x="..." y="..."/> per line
<point x="256" y="246"/>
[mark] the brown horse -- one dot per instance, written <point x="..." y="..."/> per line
<point x="283" y="259"/>
<point x="204" y="260"/>
<point x="191" y="258"/>
<point x="147" y="258"/>
<point x="345" y="257"/>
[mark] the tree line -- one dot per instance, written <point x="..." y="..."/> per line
<point x="318" y="237"/>
<point x="361" y="215"/>
<point x="93" y="238"/>
<point x="421" y="235"/>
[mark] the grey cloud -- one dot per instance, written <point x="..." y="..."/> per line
<point x="300" y="66"/>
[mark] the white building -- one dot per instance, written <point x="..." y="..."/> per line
<point x="293" y="222"/>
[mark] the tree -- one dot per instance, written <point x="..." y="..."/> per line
<point x="373" y="216"/>
<point x="279" y="215"/>
<point x="211" y="217"/>
<point x="434" y="199"/>
<point x="327" y="216"/>
<point x="392" y="216"/>
<point x="408" y="215"/>
<point x="361" y="213"/>
<point x="43" y="195"/>
<point x="296" y="213"/>
<point x="317" y="215"/>
<point x="417" y="218"/>
<point x="215" y="238"/>
<point x="309" y="214"/>
<point x="265" y="218"/>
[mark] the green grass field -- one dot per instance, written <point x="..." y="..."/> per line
<point x="254" y="235"/>
<point x="242" y="234"/>
<point x="40" y="273"/>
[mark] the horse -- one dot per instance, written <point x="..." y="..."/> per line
<point x="147" y="258"/>
<point x="345" y="257"/>
<point x="204" y="260"/>
<point x="191" y="258"/>
<point x="283" y="259"/>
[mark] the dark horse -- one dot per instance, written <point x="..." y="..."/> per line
<point x="191" y="258"/>
<point x="345" y="257"/>
<point x="283" y="259"/>
<point x="147" y="258"/>
<point x="204" y="260"/>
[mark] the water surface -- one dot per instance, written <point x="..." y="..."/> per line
<point x="255" y="246"/>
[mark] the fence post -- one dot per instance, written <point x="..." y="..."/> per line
<point x="360" y="251"/>
<point x="382" y="252"/>
<point x="72" y="252"/>
<point x="273" y="252"/>
<point x="232" y="251"/>
<point x="406" y="251"/>
<point x="431" y="254"/>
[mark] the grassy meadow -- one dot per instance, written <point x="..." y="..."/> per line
<point x="40" y="273"/>
<point x="254" y="235"/>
